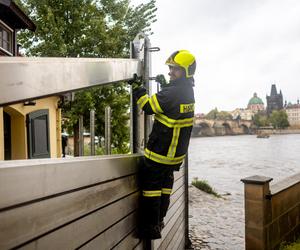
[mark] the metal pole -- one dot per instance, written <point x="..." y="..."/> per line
<point x="92" y="131"/>
<point x="147" y="61"/>
<point x="107" y="130"/>
<point x="134" y="112"/>
<point x="186" y="191"/>
<point x="81" y="139"/>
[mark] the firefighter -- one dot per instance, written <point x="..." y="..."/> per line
<point x="173" y="109"/>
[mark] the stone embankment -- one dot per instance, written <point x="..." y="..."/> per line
<point x="215" y="223"/>
<point x="287" y="131"/>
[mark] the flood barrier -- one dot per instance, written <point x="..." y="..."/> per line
<point x="83" y="202"/>
<point x="272" y="212"/>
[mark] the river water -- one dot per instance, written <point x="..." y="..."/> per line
<point x="218" y="223"/>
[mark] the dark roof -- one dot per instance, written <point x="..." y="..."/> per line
<point x="11" y="14"/>
<point x="293" y="106"/>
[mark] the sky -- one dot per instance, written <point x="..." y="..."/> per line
<point x="241" y="47"/>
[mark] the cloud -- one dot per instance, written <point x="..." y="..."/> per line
<point x="241" y="46"/>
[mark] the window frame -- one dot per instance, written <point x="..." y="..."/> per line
<point x="10" y="33"/>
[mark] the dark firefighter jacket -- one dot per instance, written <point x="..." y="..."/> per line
<point x="173" y="107"/>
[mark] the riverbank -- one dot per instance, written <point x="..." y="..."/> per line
<point x="257" y="131"/>
<point x="225" y="230"/>
<point x="278" y="131"/>
<point x="223" y="161"/>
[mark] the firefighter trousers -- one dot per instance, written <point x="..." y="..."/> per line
<point x="156" y="184"/>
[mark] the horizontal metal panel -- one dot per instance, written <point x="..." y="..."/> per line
<point x="140" y="246"/>
<point x="109" y="238"/>
<point x="24" y="78"/>
<point x="178" y="174"/>
<point x="23" y="181"/>
<point x="178" y="191"/>
<point x="178" y="228"/>
<point x="170" y="223"/>
<point x="81" y="231"/>
<point x="172" y="209"/>
<point x="284" y="184"/>
<point x="130" y="242"/>
<point x="182" y="244"/>
<point x="176" y="232"/>
<point x="23" y="223"/>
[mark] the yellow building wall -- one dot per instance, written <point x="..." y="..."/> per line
<point x="18" y="114"/>
<point x="1" y="135"/>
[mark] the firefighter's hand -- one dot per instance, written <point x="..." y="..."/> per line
<point x="136" y="82"/>
<point x="161" y="80"/>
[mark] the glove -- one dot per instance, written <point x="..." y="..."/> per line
<point x="161" y="80"/>
<point x="136" y="82"/>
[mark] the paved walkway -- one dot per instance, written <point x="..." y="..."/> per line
<point x="216" y="223"/>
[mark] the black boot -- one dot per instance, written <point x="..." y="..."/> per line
<point x="151" y="232"/>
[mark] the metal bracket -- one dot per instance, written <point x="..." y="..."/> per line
<point x="154" y="49"/>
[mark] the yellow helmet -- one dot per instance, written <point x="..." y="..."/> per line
<point x="185" y="60"/>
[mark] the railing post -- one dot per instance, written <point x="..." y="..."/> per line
<point x="108" y="130"/>
<point x="147" y="72"/>
<point x="257" y="211"/>
<point x="1" y="136"/>
<point x="92" y="131"/>
<point x="81" y="137"/>
<point x="186" y="191"/>
<point x="137" y="51"/>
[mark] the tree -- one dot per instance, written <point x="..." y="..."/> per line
<point x="261" y="120"/>
<point x="279" y="119"/>
<point x="212" y="114"/>
<point x="223" y="115"/>
<point x="89" y="28"/>
<point x="215" y="114"/>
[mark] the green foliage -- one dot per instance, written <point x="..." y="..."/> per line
<point x="293" y="246"/>
<point x="215" y="114"/>
<point x="279" y="119"/>
<point x="204" y="186"/>
<point x="212" y="114"/>
<point x="261" y="120"/>
<point x="89" y="28"/>
<point x="223" y="115"/>
<point x="84" y="28"/>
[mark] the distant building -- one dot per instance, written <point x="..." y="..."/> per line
<point x="293" y="113"/>
<point x="200" y="115"/>
<point x="242" y="114"/>
<point x="274" y="101"/>
<point x="256" y="104"/>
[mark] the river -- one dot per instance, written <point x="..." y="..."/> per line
<point x="218" y="223"/>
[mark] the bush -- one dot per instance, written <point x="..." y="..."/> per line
<point x="293" y="246"/>
<point x="204" y="186"/>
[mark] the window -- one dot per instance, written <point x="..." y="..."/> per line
<point x="6" y="40"/>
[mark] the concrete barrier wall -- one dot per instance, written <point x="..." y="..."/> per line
<point x="272" y="213"/>
<point x="84" y="202"/>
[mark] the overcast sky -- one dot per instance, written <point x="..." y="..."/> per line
<point x="241" y="47"/>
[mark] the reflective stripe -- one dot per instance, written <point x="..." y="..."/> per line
<point x="171" y="123"/>
<point x="187" y="108"/>
<point x="174" y="143"/>
<point x="152" y="193"/>
<point x="142" y="101"/>
<point x="163" y="159"/>
<point x="155" y="105"/>
<point x="166" y="190"/>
